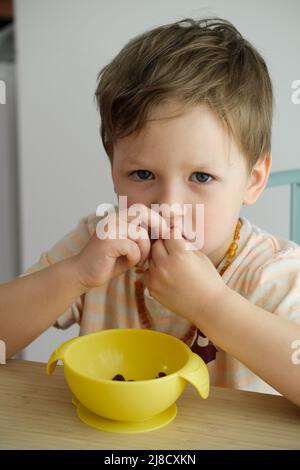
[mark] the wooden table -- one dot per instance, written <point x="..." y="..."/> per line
<point x="36" y="413"/>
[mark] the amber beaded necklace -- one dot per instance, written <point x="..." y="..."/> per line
<point x="145" y="317"/>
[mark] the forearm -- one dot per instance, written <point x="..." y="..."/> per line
<point x="257" y="338"/>
<point x="31" y="304"/>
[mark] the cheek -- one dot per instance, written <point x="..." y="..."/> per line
<point x="215" y="229"/>
<point x="120" y="187"/>
<point x="123" y="187"/>
<point x="133" y="196"/>
<point x="218" y="227"/>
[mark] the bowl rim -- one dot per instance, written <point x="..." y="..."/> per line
<point x="118" y="331"/>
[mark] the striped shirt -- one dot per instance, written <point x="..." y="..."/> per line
<point x="265" y="270"/>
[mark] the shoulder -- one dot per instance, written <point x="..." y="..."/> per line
<point x="87" y="225"/>
<point x="272" y="276"/>
<point x="261" y="253"/>
<point x="268" y="253"/>
<point x="74" y="240"/>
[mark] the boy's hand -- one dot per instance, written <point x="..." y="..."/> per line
<point x="102" y="260"/>
<point x="185" y="282"/>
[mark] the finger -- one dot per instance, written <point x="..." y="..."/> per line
<point x="159" y="226"/>
<point x="176" y="241"/>
<point x="141" y="214"/>
<point x="128" y="249"/>
<point x="140" y="236"/>
<point x="151" y="261"/>
<point x="115" y="227"/>
<point x="158" y="251"/>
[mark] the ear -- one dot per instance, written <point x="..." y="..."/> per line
<point x="257" y="180"/>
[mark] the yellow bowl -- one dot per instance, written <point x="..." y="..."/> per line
<point x="92" y="361"/>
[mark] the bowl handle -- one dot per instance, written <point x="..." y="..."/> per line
<point x="58" y="354"/>
<point x="197" y="374"/>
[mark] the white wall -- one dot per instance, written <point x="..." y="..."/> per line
<point x="61" y="46"/>
<point x="8" y="177"/>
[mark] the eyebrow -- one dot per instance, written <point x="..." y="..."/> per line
<point x="207" y="164"/>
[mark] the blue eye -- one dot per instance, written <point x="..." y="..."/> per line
<point x="201" y="177"/>
<point x="143" y="175"/>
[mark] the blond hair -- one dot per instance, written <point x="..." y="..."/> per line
<point x="194" y="62"/>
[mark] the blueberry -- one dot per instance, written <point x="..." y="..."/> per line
<point x="119" y="377"/>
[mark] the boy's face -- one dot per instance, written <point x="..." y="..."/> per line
<point x="187" y="158"/>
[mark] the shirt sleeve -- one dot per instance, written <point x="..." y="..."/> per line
<point x="275" y="286"/>
<point x="69" y="245"/>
